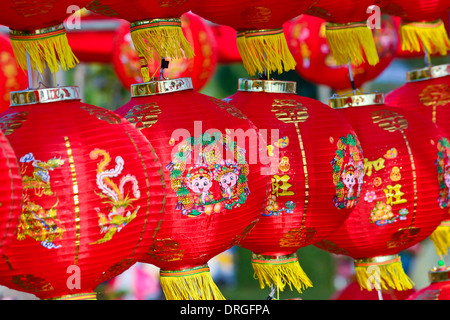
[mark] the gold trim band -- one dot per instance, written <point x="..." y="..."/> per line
<point x="161" y="86"/>
<point x="21" y="33"/>
<point x="173" y="22"/>
<point x="432" y="72"/>
<point x="381" y="260"/>
<point x="261" y="258"/>
<point x="47" y="95"/>
<point x="338" y="26"/>
<point x="270" y="86"/>
<point x="360" y="100"/>
<point x="185" y="272"/>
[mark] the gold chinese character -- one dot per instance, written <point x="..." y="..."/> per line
<point x="394" y="194"/>
<point x="281" y="183"/>
<point x="289" y="111"/>
<point x="375" y="164"/>
<point x="389" y="120"/>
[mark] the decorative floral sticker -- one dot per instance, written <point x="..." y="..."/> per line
<point x="38" y="222"/>
<point x="212" y="184"/>
<point x="443" y="170"/>
<point x="348" y="172"/>
<point x="121" y="210"/>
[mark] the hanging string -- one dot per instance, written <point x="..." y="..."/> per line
<point x="427" y="57"/>
<point x="352" y="81"/>
<point x="164" y="66"/>
<point x="30" y="72"/>
<point x="272" y="292"/>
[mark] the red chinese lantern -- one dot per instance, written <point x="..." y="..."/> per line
<point x="439" y="287"/>
<point x="421" y="25"/>
<point x="11" y="77"/>
<point x="215" y="191"/>
<point x="316" y="164"/>
<point x="315" y="62"/>
<point x="353" y="292"/>
<point x="348" y="29"/>
<point x="36" y="28"/>
<point x="92" y="194"/>
<point x="199" y="68"/>
<point x="427" y="91"/>
<point x="155" y="27"/>
<point x="10" y="193"/>
<point x="259" y="26"/>
<point x="399" y="204"/>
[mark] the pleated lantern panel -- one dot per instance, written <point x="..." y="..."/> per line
<point x="399" y="204"/>
<point x="93" y="195"/>
<point x="36" y="28"/>
<point x="10" y="193"/>
<point x="306" y="37"/>
<point x="155" y="27"/>
<point x="348" y="32"/>
<point x="215" y="190"/>
<point x="427" y="91"/>
<point x="259" y="25"/>
<point x="316" y="170"/>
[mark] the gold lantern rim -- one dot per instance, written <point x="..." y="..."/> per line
<point x="161" y="86"/>
<point x="428" y="73"/>
<point x="44" y="95"/>
<point x="439" y="274"/>
<point x="358" y="100"/>
<point x="269" y="86"/>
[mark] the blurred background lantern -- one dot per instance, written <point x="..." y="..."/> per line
<point x="427" y="91"/>
<point x="348" y="29"/>
<point x="439" y="287"/>
<point x="10" y="193"/>
<point x="155" y="27"/>
<point x="12" y="78"/>
<point x="200" y="68"/>
<point x="399" y="204"/>
<point x="226" y="44"/>
<point x="316" y="165"/>
<point x="260" y="38"/>
<point x="92" y="196"/>
<point x="215" y="191"/>
<point x="93" y="41"/>
<point x="421" y="26"/>
<point x="36" y="28"/>
<point x="315" y="62"/>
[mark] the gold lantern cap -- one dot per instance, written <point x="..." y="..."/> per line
<point x="427" y="73"/>
<point x="357" y="100"/>
<point x="44" y="95"/>
<point x="270" y="86"/>
<point x="439" y="273"/>
<point x="161" y="86"/>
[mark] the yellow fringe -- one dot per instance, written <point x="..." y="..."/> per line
<point x="265" y="51"/>
<point x="280" y="271"/>
<point x="52" y="49"/>
<point x="431" y="35"/>
<point x="389" y="272"/>
<point x="191" y="284"/>
<point x="351" y="42"/>
<point x="156" y="40"/>
<point x="441" y="238"/>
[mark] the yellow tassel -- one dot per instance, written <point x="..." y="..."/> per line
<point x="79" y="296"/>
<point x="265" y="51"/>
<point x="441" y="238"/>
<point x="351" y="42"/>
<point x="189" y="284"/>
<point x="280" y="271"/>
<point x="431" y="35"/>
<point x="382" y="272"/>
<point x="160" y="38"/>
<point x="46" y="46"/>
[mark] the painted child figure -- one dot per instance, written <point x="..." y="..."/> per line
<point x="200" y="181"/>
